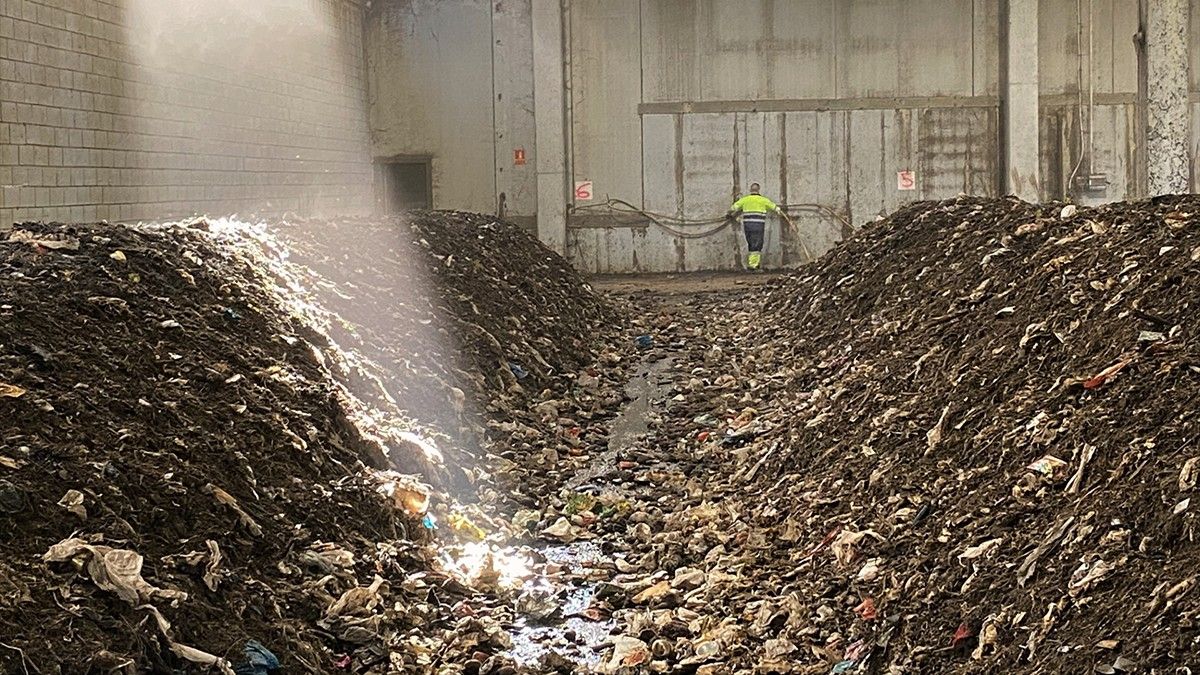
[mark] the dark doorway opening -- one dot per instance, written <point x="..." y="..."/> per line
<point x="407" y="184"/>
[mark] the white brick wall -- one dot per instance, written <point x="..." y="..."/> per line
<point x="115" y="109"/>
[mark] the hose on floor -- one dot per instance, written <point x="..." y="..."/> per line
<point x="672" y="224"/>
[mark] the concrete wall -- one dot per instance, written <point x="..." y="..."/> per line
<point x="1088" y="64"/>
<point x="148" y="109"/>
<point x="127" y="109"/>
<point x="856" y="92"/>
<point x="680" y="104"/>
<point x="453" y="81"/>
<point x="675" y="106"/>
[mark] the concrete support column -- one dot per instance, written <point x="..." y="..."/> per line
<point x="1022" y="132"/>
<point x="549" y="109"/>
<point x="1168" y="113"/>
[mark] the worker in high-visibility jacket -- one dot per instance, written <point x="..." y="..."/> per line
<point x="754" y="209"/>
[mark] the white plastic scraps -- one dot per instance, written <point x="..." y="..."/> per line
<point x="1050" y="467"/>
<point x="562" y="530"/>
<point x="934" y="436"/>
<point x="979" y="550"/>
<point x="55" y="242"/>
<point x="1090" y="573"/>
<point x="73" y="502"/>
<point x="112" y="569"/>
<point x="183" y="651"/>
<point x="870" y="570"/>
<point x="211" y="559"/>
<point x="627" y="652"/>
<point x="357" y="601"/>
<point x="1188" y="474"/>
<point x="212" y="571"/>
<point x="330" y="557"/>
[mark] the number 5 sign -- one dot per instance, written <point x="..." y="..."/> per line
<point x="584" y="191"/>
<point x="906" y="180"/>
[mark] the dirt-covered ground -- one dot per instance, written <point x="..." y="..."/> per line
<point x="964" y="441"/>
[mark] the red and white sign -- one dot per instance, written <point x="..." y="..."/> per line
<point x="584" y="191"/>
<point x="519" y="157"/>
<point x="906" y="180"/>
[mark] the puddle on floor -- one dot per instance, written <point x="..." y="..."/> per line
<point x="534" y="641"/>
<point x="630" y="424"/>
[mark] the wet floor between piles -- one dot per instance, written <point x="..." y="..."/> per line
<point x="572" y="638"/>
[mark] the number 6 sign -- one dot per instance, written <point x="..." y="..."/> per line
<point x="583" y="191"/>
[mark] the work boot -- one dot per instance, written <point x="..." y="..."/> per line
<point x="753" y="260"/>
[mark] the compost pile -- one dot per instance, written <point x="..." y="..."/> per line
<point x="966" y="440"/>
<point x="456" y="323"/>
<point x="191" y="475"/>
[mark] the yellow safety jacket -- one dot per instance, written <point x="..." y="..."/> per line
<point x="754" y="204"/>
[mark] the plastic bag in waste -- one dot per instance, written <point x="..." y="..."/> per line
<point x="259" y="660"/>
<point x="115" y="570"/>
<point x="357" y="601"/>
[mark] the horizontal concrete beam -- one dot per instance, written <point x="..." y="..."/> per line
<point x="1062" y="100"/>
<point x="1130" y="98"/>
<point x="898" y="103"/>
<point x="818" y="104"/>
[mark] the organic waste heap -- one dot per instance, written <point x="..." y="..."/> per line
<point x="965" y="440"/>
<point x="454" y="322"/>
<point x="197" y="432"/>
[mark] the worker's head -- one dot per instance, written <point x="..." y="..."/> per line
<point x="754" y="188"/>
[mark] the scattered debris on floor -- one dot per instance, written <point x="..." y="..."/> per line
<point x="964" y="441"/>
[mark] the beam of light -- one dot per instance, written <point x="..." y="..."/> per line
<point x="231" y="81"/>
<point x="376" y="408"/>
<point x="244" y="106"/>
<point x="249" y="105"/>
<point x="483" y="564"/>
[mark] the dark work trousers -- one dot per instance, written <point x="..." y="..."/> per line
<point x="755" y="227"/>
